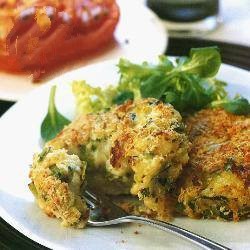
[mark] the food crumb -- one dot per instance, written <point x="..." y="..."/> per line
<point x="139" y="225"/>
<point x="126" y="41"/>
<point x="136" y="232"/>
<point x="121" y="232"/>
<point x="122" y="241"/>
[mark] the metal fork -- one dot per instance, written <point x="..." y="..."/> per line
<point x="103" y="212"/>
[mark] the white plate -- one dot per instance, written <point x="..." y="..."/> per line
<point x="138" y="33"/>
<point x="20" y="135"/>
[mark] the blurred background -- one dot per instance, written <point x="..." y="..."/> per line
<point x="233" y="18"/>
<point x="182" y="24"/>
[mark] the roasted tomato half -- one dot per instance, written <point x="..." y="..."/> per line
<point x="49" y="33"/>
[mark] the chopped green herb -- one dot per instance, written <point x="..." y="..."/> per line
<point x="43" y="154"/>
<point x="216" y="198"/>
<point x="229" y="164"/>
<point x="33" y="189"/>
<point x="59" y="173"/>
<point x="178" y="127"/>
<point x="93" y="147"/>
<point x="132" y="116"/>
<point x="145" y="192"/>
<point x="226" y="215"/>
<point x="83" y="152"/>
<point x="244" y="212"/>
<point x="179" y="207"/>
<point x="207" y="213"/>
<point x="191" y="204"/>
<point x="166" y="182"/>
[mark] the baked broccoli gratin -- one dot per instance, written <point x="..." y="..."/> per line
<point x="136" y="148"/>
<point x="216" y="184"/>
<point x="139" y="154"/>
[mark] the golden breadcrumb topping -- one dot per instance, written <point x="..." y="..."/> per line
<point x="56" y="181"/>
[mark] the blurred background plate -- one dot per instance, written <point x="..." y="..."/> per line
<point x="139" y="33"/>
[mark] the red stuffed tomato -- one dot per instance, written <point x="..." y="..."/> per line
<point x="47" y="34"/>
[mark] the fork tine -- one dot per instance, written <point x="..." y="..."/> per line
<point x="101" y="204"/>
<point x="91" y="199"/>
<point x="89" y="202"/>
<point x="90" y="194"/>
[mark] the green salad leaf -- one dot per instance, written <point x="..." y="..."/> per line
<point x="53" y="122"/>
<point x="93" y="99"/>
<point x="123" y="96"/>
<point x="204" y="62"/>
<point x="188" y="83"/>
<point x="154" y="86"/>
<point x="239" y="105"/>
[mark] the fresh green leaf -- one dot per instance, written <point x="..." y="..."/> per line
<point x="171" y="97"/>
<point x="188" y="84"/>
<point x="185" y="86"/>
<point x="238" y="106"/>
<point x="154" y="86"/>
<point x="215" y="88"/>
<point x="187" y="93"/>
<point x="131" y="69"/>
<point x="204" y="62"/>
<point x="181" y="60"/>
<point x="92" y="99"/>
<point x="123" y="96"/>
<point x="134" y="72"/>
<point x="54" y="122"/>
<point x="165" y="65"/>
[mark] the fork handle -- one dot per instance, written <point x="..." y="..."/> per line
<point x="195" y="238"/>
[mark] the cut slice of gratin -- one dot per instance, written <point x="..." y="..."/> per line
<point x="57" y="178"/>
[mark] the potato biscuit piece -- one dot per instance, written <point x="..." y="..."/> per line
<point x="138" y="148"/>
<point x="217" y="182"/>
<point x="56" y="181"/>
